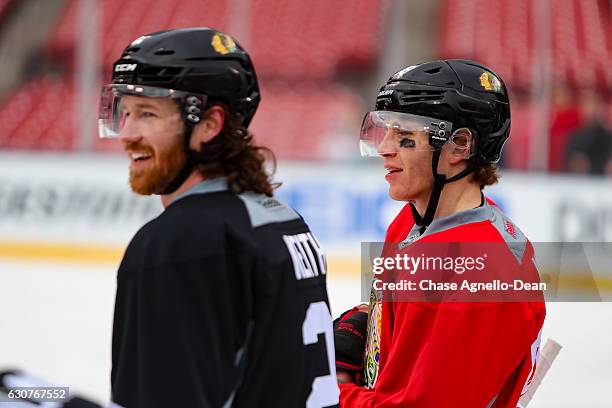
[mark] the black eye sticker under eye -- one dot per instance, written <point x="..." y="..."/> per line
<point x="407" y="143"/>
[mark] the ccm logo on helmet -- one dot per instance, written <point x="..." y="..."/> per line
<point x="125" y="67"/>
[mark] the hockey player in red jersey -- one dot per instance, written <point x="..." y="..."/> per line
<point x="440" y="128"/>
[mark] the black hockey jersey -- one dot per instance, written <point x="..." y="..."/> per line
<point x="222" y="302"/>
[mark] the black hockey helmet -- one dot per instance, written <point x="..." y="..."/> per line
<point x="463" y="92"/>
<point x="198" y="60"/>
<point x="441" y="98"/>
<point x="197" y="67"/>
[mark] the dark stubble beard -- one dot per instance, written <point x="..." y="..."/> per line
<point x="155" y="177"/>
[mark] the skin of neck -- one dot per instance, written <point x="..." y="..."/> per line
<point x="194" y="178"/>
<point x="210" y="126"/>
<point x="457" y="196"/>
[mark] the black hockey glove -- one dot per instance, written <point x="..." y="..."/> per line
<point x="349" y="340"/>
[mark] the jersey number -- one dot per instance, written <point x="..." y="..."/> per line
<point x="318" y="320"/>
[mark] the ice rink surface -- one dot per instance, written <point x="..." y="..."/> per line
<point x="57" y="322"/>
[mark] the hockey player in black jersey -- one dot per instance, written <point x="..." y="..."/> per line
<point x="221" y="299"/>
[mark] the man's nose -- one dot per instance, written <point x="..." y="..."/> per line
<point x="130" y="131"/>
<point x="387" y="154"/>
<point x="387" y="147"/>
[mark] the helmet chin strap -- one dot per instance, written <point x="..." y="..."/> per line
<point x="439" y="181"/>
<point x="189" y="165"/>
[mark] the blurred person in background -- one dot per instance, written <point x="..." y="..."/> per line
<point x="565" y="118"/>
<point x="589" y="148"/>
<point x="516" y="154"/>
<point x="226" y="289"/>
<point x="440" y="128"/>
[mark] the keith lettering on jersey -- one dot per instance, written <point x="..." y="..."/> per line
<point x="307" y="256"/>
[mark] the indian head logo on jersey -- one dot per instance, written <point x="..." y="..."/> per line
<point x="371" y="358"/>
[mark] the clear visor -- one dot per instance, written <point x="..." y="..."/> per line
<point x="384" y="132"/>
<point x="146" y="105"/>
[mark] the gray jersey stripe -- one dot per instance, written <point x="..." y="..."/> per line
<point x="477" y="214"/>
<point x="262" y="209"/>
<point x="206" y="186"/>
<point x="514" y="237"/>
<point x="266" y="210"/>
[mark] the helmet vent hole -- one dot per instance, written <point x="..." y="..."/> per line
<point x="132" y="50"/>
<point x="421" y="95"/>
<point x="159" y="74"/>
<point x="433" y="70"/>
<point x="163" y="51"/>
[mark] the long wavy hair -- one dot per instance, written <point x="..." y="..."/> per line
<point x="486" y="174"/>
<point x="233" y="154"/>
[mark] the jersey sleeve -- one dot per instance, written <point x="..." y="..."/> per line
<point x="400" y="226"/>
<point x="462" y="357"/>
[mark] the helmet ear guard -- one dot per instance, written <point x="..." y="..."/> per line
<point x="462" y="143"/>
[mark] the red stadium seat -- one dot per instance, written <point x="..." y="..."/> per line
<point x="306" y="43"/>
<point x="327" y="36"/>
<point x="299" y="122"/>
<point x="5" y="5"/>
<point x="296" y="121"/>
<point x="507" y="35"/>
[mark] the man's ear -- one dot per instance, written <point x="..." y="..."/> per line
<point x="210" y="126"/>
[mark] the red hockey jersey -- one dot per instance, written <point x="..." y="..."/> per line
<point x="451" y="354"/>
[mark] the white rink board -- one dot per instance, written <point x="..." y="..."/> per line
<point x="86" y="199"/>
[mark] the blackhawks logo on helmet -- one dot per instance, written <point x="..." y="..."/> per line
<point x="490" y="82"/>
<point x="223" y="43"/>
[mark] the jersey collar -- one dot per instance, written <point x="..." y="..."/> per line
<point x="478" y="214"/>
<point x="207" y="186"/>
